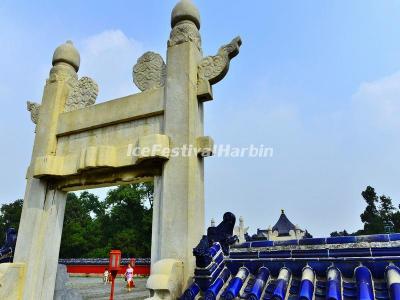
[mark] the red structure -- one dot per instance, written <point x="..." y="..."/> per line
<point x="114" y="267"/>
<point x="140" y="270"/>
<point x="96" y="266"/>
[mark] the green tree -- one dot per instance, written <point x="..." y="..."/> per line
<point x="77" y="237"/>
<point x="396" y="221"/>
<point x="340" y="233"/>
<point x="386" y="212"/>
<point x="130" y="211"/>
<point x="122" y="221"/>
<point x="379" y="216"/>
<point x="370" y="217"/>
<point x="10" y="215"/>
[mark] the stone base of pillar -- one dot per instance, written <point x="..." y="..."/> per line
<point x="165" y="281"/>
<point x="12" y="277"/>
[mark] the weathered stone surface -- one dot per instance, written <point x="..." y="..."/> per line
<point x="67" y="53"/>
<point x="205" y="146"/>
<point x="185" y="10"/>
<point x="117" y="125"/>
<point x="12" y="276"/>
<point x="166" y="279"/>
<point x="182" y="178"/>
<point x="213" y="69"/>
<point x="62" y="291"/>
<point x="149" y="71"/>
<point x="34" y="109"/>
<point x="84" y="93"/>
<point x="43" y="210"/>
<point x="184" y="32"/>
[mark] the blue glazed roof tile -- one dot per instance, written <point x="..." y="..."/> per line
<point x="394" y="236"/>
<point x="311" y="253"/>
<point x="314" y="241"/>
<point x="350" y="252"/>
<point x="373" y="238"/>
<point x="244" y="255"/>
<point x="262" y="244"/>
<point x="341" y="239"/>
<point x="386" y="251"/>
<point x="362" y="267"/>
<point x="275" y="254"/>
<point x="286" y="243"/>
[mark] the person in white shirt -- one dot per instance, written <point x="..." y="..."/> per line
<point x="106" y="276"/>
<point x="129" y="277"/>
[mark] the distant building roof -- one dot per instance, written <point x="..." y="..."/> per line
<point x="283" y="226"/>
<point x="284" y="229"/>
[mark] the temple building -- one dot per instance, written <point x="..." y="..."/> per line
<point x="283" y="230"/>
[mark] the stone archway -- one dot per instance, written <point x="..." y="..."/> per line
<point x="79" y="144"/>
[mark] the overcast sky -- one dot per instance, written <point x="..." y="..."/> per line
<point x="319" y="81"/>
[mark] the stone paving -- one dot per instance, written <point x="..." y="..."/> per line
<point x="94" y="288"/>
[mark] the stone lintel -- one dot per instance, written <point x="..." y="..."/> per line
<point x="105" y="177"/>
<point x="133" y="107"/>
<point x="102" y="156"/>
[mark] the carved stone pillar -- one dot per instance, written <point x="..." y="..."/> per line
<point x="182" y="188"/>
<point x="40" y="229"/>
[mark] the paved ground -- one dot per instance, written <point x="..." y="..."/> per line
<point x="94" y="288"/>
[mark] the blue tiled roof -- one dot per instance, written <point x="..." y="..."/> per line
<point x="362" y="267"/>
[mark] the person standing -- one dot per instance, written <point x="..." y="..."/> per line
<point x="106" y="276"/>
<point x="129" y="277"/>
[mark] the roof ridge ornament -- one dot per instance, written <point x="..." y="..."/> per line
<point x="213" y="69"/>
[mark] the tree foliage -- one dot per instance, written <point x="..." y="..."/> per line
<point x="9" y="217"/>
<point x="93" y="227"/>
<point x="340" y="233"/>
<point x="122" y="221"/>
<point x="379" y="216"/>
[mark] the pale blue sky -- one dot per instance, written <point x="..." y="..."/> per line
<point x="319" y="81"/>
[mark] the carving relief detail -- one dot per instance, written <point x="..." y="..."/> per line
<point x="60" y="73"/>
<point x="83" y="93"/>
<point x="34" y="109"/>
<point x="185" y="32"/>
<point x="150" y="71"/>
<point x="214" y="68"/>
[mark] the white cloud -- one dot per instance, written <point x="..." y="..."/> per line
<point x="108" y="57"/>
<point x="378" y="102"/>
